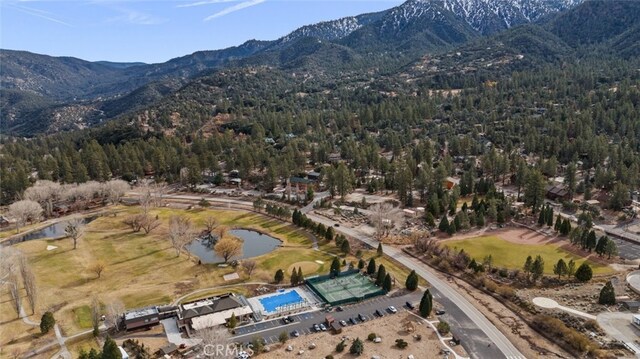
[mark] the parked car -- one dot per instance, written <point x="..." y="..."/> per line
<point x="352" y="321"/>
<point x="316" y="328"/>
<point x="379" y="313"/>
<point x="343" y="323"/>
<point x="393" y="309"/>
<point x="410" y="306"/>
<point x="339" y="309"/>
<point x="336" y="224"/>
<point x="440" y="312"/>
<point x="323" y="328"/>
<point x="295" y="333"/>
<point x="362" y="317"/>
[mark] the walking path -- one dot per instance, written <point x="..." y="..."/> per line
<point x="549" y="303"/>
<point x="177" y="301"/>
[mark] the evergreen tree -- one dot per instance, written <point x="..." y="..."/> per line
<point x="357" y="347"/>
<point x="345" y="247"/>
<point x="558" y="224"/>
<point x="444" y="224"/>
<point x="382" y="272"/>
<point x="300" y="275"/>
<point x="611" y="249"/>
<point x="607" y="295"/>
<point x="412" y="281"/>
<point x="584" y="273"/>
<point x="294" y="277"/>
<point x="591" y="241"/>
<point x="110" y="349"/>
<point x="426" y="304"/>
<point x="386" y="285"/>
<point x="537" y="268"/>
<point x="329" y="234"/>
<point x="279" y="276"/>
<point x="371" y="268"/>
<point x="560" y="268"/>
<point x="601" y="245"/>
<point x="335" y="267"/>
<point x="541" y="217"/>
<point x="47" y="322"/>
<point x="233" y="321"/>
<point x="361" y="264"/>
<point x="549" y="218"/>
<point x="571" y="268"/>
<point x="379" y="251"/>
<point x="528" y="267"/>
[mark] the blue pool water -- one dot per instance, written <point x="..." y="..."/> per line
<point x="270" y="304"/>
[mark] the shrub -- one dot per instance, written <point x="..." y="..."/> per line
<point x="340" y="347"/>
<point x="357" y="347"/>
<point x="371" y="336"/>
<point x="47" y="322"/>
<point x="443" y="327"/>
<point x="400" y="343"/>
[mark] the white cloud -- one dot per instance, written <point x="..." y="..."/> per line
<point x="234" y="8"/>
<point x="39" y="13"/>
<point x="205" y="2"/>
<point x="136" y="17"/>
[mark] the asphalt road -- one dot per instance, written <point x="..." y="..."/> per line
<point x="479" y="336"/>
<point x="303" y="323"/>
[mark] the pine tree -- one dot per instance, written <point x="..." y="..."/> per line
<point x="379" y="251"/>
<point x="110" y="349"/>
<point x="382" y="272"/>
<point x="300" y="275"/>
<point x="584" y="273"/>
<point x="571" y="268"/>
<point x="611" y="249"/>
<point x="560" y="268"/>
<point x="607" y="295"/>
<point x="602" y="245"/>
<point x="357" y="348"/>
<point x="537" y="268"/>
<point x="233" y="321"/>
<point x="345" y="247"/>
<point x="549" y="216"/>
<point x="444" y="224"/>
<point x="361" y="264"/>
<point x="335" y="267"/>
<point x="426" y="304"/>
<point x="371" y="268"/>
<point x="386" y="285"/>
<point x="294" y="277"/>
<point x="47" y="322"/>
<point x="412" y="281"/>
<point x="558" y="224"/>
<point x="528" y="267"/>
<point x="541" y="217"/>
<point x="279" y="276"/>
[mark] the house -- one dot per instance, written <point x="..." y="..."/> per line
<point x="631" y="305"/>
<point x="557" y="192"/>
<point x="451" y="182"/>
<point x="141" y="318"/>
<point x="335" y="157"/>
<point x="299" y="185"/>
<point x="313" y="176"/>
<point x="212" y="311"/>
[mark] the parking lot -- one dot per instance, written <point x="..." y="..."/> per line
<point x="304" y="323"/>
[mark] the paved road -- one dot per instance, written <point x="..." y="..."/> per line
<point x="303" y="323"/>
<point x="479" y="336"/>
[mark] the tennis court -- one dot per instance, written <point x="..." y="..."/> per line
<point x="345" y="288"/>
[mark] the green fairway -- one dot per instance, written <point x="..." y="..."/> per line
<point x="512" y="255"/>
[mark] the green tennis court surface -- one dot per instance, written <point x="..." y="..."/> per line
<point x="344" y="289"/>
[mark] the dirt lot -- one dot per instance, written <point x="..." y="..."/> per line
<point x="388" y="329"/>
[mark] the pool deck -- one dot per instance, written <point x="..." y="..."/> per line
<point x="310" y="301"/>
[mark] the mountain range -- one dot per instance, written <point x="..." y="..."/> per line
<point x="42" y="94"/>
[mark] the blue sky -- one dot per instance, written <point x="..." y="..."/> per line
<point x="156" y="31"/>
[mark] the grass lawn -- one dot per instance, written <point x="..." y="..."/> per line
<point x="513" y="256"/>
<point x="143" y="269"/>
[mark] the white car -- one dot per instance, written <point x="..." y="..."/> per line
<point x="323" y="328"/>
<point x="393" y="309"/>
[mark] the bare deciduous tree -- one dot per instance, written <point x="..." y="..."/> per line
<point x="382" y="217"/>
<point x="180" y="232"/>
<point x="98" y="268"/>
<point x="25" y="211"/>
<point x="44" y="192"/>
<point x="216" y="337"/>
<point x="149" y="223"/>
<point x="14" y="291"/>
<point x="115" y="309"/>
<point x="29" y="281"/>
<point x="135" y="222"/>
<point x="222" y="231"/>
<point x="210" y="223"/>
<point x="115" y="189"/>
<point x="75" y="229"/>
<point x="228" y="247"/>
<point x="249" y="265"/>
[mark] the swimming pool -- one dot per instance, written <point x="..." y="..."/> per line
<point x="272" y="303"/>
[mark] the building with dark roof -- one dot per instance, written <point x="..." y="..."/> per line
<point x="141" y="318"/>
<point x="557" y="192"/>
<point x="212" y="311"/>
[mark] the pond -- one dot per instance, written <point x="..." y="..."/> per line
<point x="254" y="244"/>
<point x="53" y="231"/>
